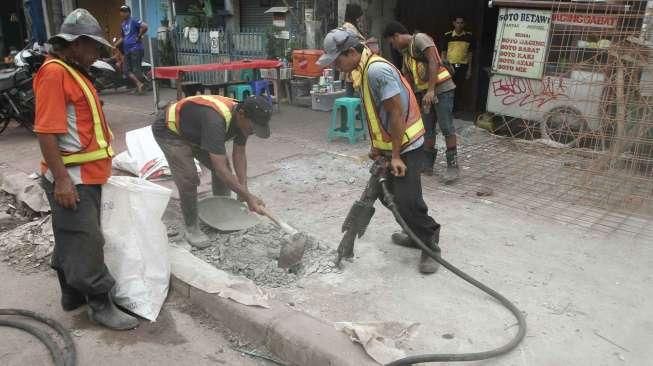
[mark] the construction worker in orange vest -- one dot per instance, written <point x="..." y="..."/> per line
<point x="396" y="131"/>
<point x="75" y="141"/>
<point x="198" y="127"/>
<point x="435" y="90"/>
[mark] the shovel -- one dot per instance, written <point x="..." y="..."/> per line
<point x="292" y="252"/>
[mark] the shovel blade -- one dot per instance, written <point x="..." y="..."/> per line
<point x="292" y="252"/>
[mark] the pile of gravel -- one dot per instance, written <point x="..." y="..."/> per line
<point x="253" y="253"/>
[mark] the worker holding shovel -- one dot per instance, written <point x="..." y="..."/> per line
<point x="198" y="127"/>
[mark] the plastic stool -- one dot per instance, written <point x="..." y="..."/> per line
<point x="354" y="113"/>
<point x="239" y="91"/>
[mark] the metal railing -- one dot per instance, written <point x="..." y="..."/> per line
<point x="216" y="45"/>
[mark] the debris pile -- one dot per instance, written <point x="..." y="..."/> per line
<point x="253" y="253"/>
<point x="28" y="246"/>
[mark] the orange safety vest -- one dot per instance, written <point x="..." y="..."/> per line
<point x="418" y="68"/>
<point x="380" y="138"/>
<point x="220" y="104"/>
<point x="100" y="146"/>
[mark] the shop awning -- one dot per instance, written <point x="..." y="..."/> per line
<point x="560" y="6"/>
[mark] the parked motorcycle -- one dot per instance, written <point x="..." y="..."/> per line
<point x="16" y="93"/>
<point x="107" y="74"/>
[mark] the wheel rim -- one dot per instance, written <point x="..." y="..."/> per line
<point x="565" y="126"/>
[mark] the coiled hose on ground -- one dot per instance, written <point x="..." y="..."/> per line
<point x="66" y="356"/>
<point x="388" y="200"/>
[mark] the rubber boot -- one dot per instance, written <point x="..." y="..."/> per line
<point x="427" y="264"/>
<point x="102" y="310"/>
<point x="402" y="239"/>
<point x="453" y="172"/>
<point x="195" y="237"/>
<point x="430" y="156"/>
<point x="71" y="299"/>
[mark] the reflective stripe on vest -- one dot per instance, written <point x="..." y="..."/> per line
<point x="415" y="67"/>
<point x="104" y="149"/>
<point x="381" y="139"/>
<point x="218" y="103"/>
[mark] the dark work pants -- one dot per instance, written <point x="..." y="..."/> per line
<point x="78" y="241"/>
<point x="180" y="155"/>
<point x="459" y="78"/>
<point x="408" y="197"/>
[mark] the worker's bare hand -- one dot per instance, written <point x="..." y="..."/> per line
<point x="256" y="204"/>
<point x="65" y="193"/>
<point x="429" y="99"/>
<point x="398" y="167"/>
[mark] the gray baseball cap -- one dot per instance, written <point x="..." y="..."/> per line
<point x="81" y="23"/>
<point x="337" y="41"/>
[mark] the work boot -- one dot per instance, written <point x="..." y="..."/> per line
<point x="402" y="239"/>
<point x="453" y="172"/>
<point x="195" y="237"/>
<point x="71" y="299"/>
<point x="430" y="156"/>
<point x="102" y="310"/>
<point x="427" y="264"/>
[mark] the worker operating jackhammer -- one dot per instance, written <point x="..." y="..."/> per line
<point x="397" y="135"/>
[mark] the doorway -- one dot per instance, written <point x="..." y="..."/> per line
<point x="435" y="18"/>
<point x="12" y="27"/>
<point x="107" y="13"/>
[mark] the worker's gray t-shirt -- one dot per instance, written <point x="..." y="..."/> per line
<point x="202" y="126"/>
<point x="385" y="83"/>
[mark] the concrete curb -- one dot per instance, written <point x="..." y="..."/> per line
<point x="293" y="336"/>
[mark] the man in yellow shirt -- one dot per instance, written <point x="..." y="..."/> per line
<point x="458" y="50"/>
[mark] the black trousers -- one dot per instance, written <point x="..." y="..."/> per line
<point x="78" y="241"/>
<point x="408" y="197"/>
<point x="459" y="78"/>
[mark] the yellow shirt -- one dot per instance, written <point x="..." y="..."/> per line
<point x="458" y="46"/>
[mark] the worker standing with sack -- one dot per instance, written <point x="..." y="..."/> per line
<point x="75" y="141"/>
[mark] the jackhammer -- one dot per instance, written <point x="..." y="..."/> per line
<point x="356" y="223"/>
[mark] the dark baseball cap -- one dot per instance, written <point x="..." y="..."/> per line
<point x="337" y="41"/>
<point x="259" y="110"/>
<point x="126" y="9"/>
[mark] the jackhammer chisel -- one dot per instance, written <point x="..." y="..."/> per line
<point x="361" y="212"/>
<point x="356" y="223"/>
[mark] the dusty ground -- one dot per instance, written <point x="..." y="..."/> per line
<point x="181" y="336"/>
<point x="586" y="292"/>
<point x="587" y="297"/>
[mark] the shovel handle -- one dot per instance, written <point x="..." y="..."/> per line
<point x="270" y="216"/>
<point x="287" y="228"/>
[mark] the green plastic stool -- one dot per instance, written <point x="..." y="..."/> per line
<point x="354" y="112"/>
<point x="239" y="91"/>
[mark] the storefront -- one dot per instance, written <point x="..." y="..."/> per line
<point x="552" y="63"/>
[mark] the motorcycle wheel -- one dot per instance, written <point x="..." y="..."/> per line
<point x="26" y="120"/>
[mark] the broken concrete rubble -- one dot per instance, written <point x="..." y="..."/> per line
<point x="28" y="246"/>
<point x="253" y="253"/>
<point x="27" y="190"/>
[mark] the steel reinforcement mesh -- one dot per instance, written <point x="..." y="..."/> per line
<point x="570" y="110"/>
